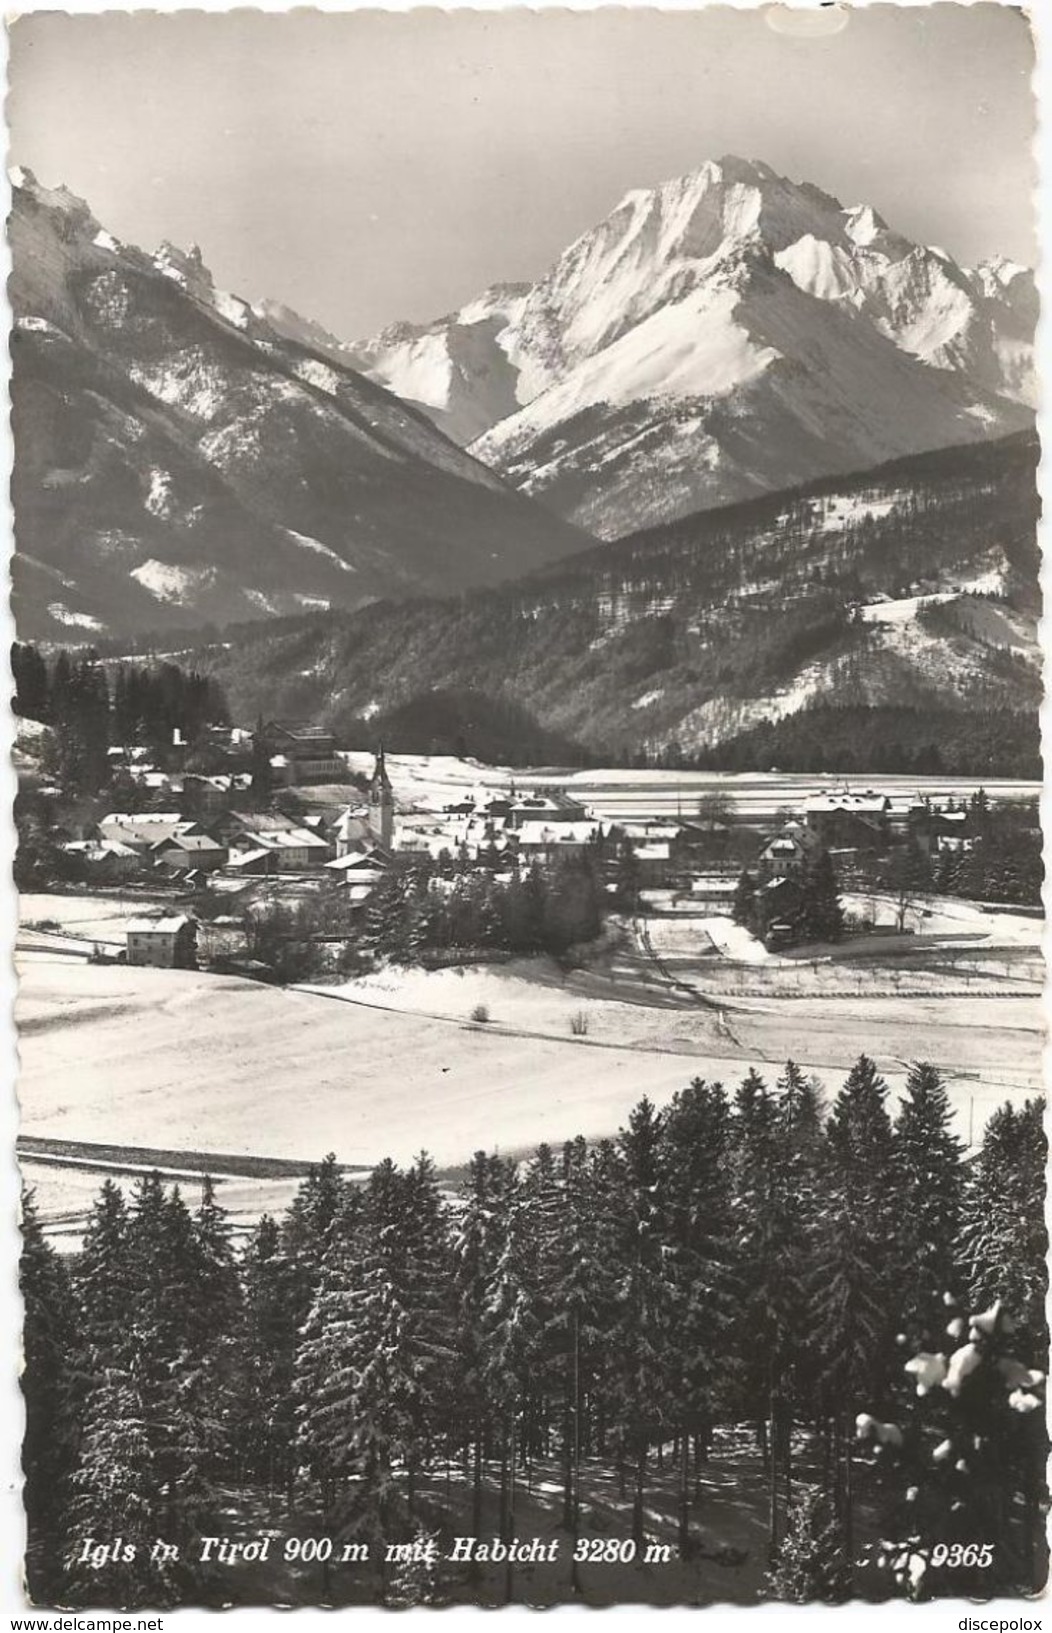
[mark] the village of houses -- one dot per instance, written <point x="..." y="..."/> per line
<point x="203" y="852"/>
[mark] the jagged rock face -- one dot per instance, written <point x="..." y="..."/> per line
<point x="184" y="457"/>
<point x="725" y="334"/>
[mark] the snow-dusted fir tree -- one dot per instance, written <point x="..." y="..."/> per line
<point x="477" y="1244"/>
<point x="853" y="1291"/>
<point x="579" y="1296"/>
<point x="374" y="1357"/>
<point x="1004" y="1243"/>
<point x="963" y="1462"/>
<point x="102" y="1280"/>
<point x="758" y="1243"/>
<point x="48" y="1341"/>
<point x="696" y="1181"/>
<point x="927" y="1180"/>
<point x="512" y="1342"/>
<point x="115" y="1494"/>
<point x="645" y="1299"/>
<point x="810" y="1566"/>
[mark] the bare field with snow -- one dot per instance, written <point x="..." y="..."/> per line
<point x="101" y="918"/>
<point x="950" y="948"/>
<point x="394" y="1062"/>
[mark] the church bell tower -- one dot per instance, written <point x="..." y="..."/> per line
<point x="381" y="803"/>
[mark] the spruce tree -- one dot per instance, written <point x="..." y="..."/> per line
<point x="645" y="1299"/>
<point x="265" y="1414"/>
<point x="811" y="1565"/>
<point x="115" y="1495"/>
<point x="853" y="1291"/>
<point x="927" y="1179"/>
<point x="476" y="1249"/>
<point x="512" y="1343"/>
<point x="48" y="1336"/>
<point x="1004" y="1243"/>
<point x="372" y="1357"/>
<point x="696" y="1184"/>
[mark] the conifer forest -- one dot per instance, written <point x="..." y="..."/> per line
<point x="754" y="1347"/>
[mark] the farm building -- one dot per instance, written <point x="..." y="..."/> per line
<point x="167" y="944"/>
<point x="185" y="851"/>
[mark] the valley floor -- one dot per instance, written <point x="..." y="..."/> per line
<point x="183" y="1062"/>
<point x="431" y="781"/>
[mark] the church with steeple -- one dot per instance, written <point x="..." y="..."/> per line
<point x="381" y="803"/>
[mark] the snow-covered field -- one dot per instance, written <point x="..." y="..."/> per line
<point x="399" y="1060"/>
<point x="193" y="1062"/>
<point x="946" y="916"/>
<point x="93" y="918"/>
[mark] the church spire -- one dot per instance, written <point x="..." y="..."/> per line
<point x="381" y="802"/>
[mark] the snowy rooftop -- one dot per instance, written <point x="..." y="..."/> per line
<point x="158" y="927"/>
<point x="141" y="819"/>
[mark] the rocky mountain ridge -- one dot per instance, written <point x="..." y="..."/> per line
<point x="182" y="457"/>
<point x="727" y="333"/>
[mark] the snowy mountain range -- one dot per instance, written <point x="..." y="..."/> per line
<point x="725" y="334"/>
<point x="181" y="458"/>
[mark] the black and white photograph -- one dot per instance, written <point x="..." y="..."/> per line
<point x="526" y="678"/>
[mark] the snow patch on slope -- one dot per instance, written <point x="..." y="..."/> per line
<point x="818" y="267"/>
<point x="75" y="620"/>
<point x="319" y="375"/>
<point x="188" y="381"/>
<point x="307" y="543"/>
<point x="159" y="498"/>
<point x="167" y="582"/>
<point x="690" y="349"/>
<point x="230" y="307"/>
<point x="834" y="515"/>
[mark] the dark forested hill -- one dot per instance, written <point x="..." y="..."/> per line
<point x="910" y="587"/>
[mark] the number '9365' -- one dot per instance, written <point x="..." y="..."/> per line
<point x="955" y="1554"/>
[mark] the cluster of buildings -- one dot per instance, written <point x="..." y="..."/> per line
<point x="856" y="827"/>
<point x="254" y="827"/>
<point x="858" y="831"/>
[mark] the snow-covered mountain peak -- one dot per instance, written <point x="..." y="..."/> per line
<point x="728" y="285"/>
<point x="999" y="276"/>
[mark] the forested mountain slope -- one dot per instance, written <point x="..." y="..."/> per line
<point x="911" y="587"/>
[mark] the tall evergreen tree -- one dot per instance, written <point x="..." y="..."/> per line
<point x="48" y="1443"/>
<point x="927" y="1180"/>
<point x="853" y="1286"/>
<point x="696" y="1183"/>
<point x="811" y="1565"/>
<point x="1004" y="1242"/>
<point x="645" y="1300"/>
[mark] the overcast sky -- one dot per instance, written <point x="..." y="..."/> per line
<point x="370" y="166"/>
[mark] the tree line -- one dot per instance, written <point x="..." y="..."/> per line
<point x="92" y="708"/>
<point x="425" y="906"/>
<point x="856" y="738"/>
<point x="430" y="905"/>
<point x="394" y="1358"/>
